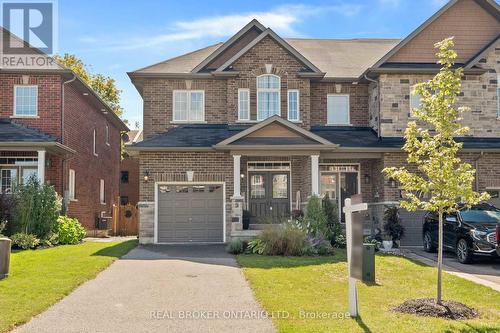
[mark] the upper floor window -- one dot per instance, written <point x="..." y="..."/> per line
<point x="94" y="143"/>
<point x="293" y="105"/>
<point x="26" y="101"/>
<point x="124" y="177"/>
<point x="338" y="110"/>
<point x="71" y="181"/>
<point x="243" y="104"/>
<point x="102" y="191"/>
<point x="189" y="105"/>
<point x="268" y="96"/>
<point x="107" y="134"/>
<point x="415" y="102"/>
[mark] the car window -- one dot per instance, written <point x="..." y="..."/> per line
<point x="480" y="216"/>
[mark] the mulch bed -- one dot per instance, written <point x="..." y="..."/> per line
<point x="427" y="307"/>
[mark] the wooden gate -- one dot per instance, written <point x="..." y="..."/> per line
<point x="125" y="220"/>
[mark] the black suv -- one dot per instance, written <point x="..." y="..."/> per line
<point x="467" y="232"/>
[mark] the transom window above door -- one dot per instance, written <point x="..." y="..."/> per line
<point x="188" y="106"/>
<point x="268" y="96"/>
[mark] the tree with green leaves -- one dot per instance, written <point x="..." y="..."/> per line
<point x="442" y="179"/>
<point x="104" y="86"/>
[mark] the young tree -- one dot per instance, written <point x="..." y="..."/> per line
<point x="442" y="178"/>
<point x="104" y="86"/>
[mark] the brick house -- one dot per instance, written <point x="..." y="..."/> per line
<point x="260" y="123"/>
<point x="54" y="126"/>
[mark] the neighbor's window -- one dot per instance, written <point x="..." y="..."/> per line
<point x="244" y="104"/>
<point x="94" y="144"/>
<point x="268" y="96"/>
<point x="189" y="105"/>
<point x="25" y="101"/>
<point x="102" y="193"/>
<point x="338" y="109"/>
<point x="71" y="181"/>
<point x="107" y="134"/>
<point x="124" y="177"/>
<point x="293" y="105"/>
<point x="498" y="94"/>
<point x="415" y="102"/>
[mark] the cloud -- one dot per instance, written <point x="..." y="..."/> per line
<point x="282" y="19"/>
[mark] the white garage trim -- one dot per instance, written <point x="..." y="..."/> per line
<point x="157" y="184"/>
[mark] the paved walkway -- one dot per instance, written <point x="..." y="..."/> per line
<point x="153" y="289"/>
<point x="484" y="270"/>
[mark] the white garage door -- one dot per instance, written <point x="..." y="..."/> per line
<point x="190" y="213"/>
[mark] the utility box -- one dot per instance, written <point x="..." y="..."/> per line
<point x="368" y="274"/>
<point x="4" y="257"/>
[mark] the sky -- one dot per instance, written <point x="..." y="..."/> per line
<point x="115" y="37"/>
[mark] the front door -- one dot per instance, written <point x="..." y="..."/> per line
<point x="269" y="196"/>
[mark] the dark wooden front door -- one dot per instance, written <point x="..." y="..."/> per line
<point x="269" y="194"/>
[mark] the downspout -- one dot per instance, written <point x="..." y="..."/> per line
<point x="378" y="101"/>
<point x="63" y="163"/>
<point x="476" y="166"/>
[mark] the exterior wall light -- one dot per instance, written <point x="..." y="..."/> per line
<point x="392" y="183"/>
<point x="190" y="175"/>
<point x="367" y="179"/>
<point x="146" y="176"/>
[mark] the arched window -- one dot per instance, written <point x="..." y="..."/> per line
<point x="268" y="96"/>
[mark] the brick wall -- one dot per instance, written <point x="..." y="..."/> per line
<point x="81" y="119"/>
<point x="358" y="101"/>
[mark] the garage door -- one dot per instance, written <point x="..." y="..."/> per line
<point x="412" y="222"/>
<point x="190" y="213"/>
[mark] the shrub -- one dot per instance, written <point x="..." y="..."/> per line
<point x="319" y="245"/>
<point x="293" y="242"/>
<point x="37" y="208"/>
<point x="25" y="241"/>
<point x="256" y="246"/>
<point x="69" y="230"/>
<point x="51" y="240"/>
<point x="392" y="223"/>
<point x="7" y="204"/>
<point x="236" y="246"/>
<point x="340" y="241"/>
<point x="288" y="240"/>
<point x="315" y="216"/>
<point x="3" y="224"/>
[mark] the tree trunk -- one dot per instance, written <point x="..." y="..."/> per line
<point x="440" y="256"/>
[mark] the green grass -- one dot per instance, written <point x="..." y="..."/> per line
<point x="310" y="284"/>
<point x="40" y="278"/>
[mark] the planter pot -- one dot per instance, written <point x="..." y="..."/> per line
<point x="387" y="245"/>
<point x="4" y="257"/>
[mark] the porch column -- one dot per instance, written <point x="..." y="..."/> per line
<point x="41" y="166"/>
<point x="236" y="176"/>
<point x="315" y="174"/>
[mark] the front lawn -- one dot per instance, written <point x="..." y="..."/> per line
<point x="317" y="286"/>
<point x="39" y="278"/>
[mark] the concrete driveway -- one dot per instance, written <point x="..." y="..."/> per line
<point x="160" y="289"/>
<point x="484" y="270"/>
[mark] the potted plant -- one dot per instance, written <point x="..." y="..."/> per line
<point x="387" y="242"/>
<point x="393" y="227"/>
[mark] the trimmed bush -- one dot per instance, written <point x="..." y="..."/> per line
<point x="25" y="241"/>
<point x="236" y="246"/>
<point x="256" y="246"/>
<point x="393" y="226"/>
<point x="69" y="230"/>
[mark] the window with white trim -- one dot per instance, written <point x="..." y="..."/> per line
<point x="268" y="96"/>
<point x="415" y="102"/>
<point x="102" y="192"/>
<point x="243" y="104"/>
<point x="94" y="142"/>
<point x="338" y="109"/>
<point x="71" y="185"/>
<point x="107" y="134"/>
<point x="25" y="101"/>
<point x="293" y="105"/>
<point x="188" y="106"/>
<point x="498" y="95"/>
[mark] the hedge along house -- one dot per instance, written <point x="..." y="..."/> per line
<point x="54" y="126"/>
<point x="262" y="123"/>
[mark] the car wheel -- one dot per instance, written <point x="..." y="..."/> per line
<point x="464" y="254"/>
<point x="428" y="246"/>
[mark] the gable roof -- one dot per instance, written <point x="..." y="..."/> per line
<point x="489" y="5"/>
<point x="481" y="54"/>
<point x="305" y="136"/>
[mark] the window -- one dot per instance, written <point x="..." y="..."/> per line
<point x="498" y="94"/>
<point x="25" y="101"/>
<point x="268" y="96"/>
<point x="8" y="178"/>
<point x="338" y="109"/>
<point x="244" y="104"/>
<point x="293" y="105"/>
<point x="189" y="106"/>
<point x="102" y="193"/>
<point x="107" y="134"/>
<point x="94" y="138"/>
<point x="124" y="177"/>
<point x="415" y="102"/>
<point x="71" y="180"/>
<point x="124" y="200"/>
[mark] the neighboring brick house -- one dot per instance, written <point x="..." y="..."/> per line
<point x="56" y="127"/>
<point x="261" y="123"/>
<point x="129" y="171"/>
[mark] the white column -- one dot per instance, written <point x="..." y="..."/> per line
<point x="41" y="166"/>
<point x="236" y="176"/>
<point x="315" y="174"/>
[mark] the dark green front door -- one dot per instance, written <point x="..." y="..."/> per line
<point x="269" y="196"/>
